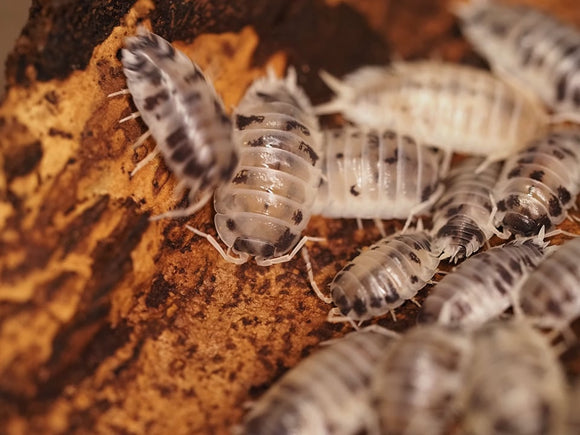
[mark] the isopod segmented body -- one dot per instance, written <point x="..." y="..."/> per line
<point x="462" y="216"/>
<point x="551" y="293"/>
<point x="515" y="384"/>
<point x="454" y="107"/>
<point x="415" y="387"/>
<point x="326" y="393"/>
<point x="262" y="211"/>
<point x="184" y="114"/>
<point x="536" y="50"/>
<point x="538" y="184"/>
<point x="369" y="174"/>
<point x="483" y="286"/>
<point x="384" y="276"/>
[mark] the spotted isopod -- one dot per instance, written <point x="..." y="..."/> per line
<point x="415" y="387"/>
<point x="538" y="184"/>
<point x="383" y="276"/>
<point x="551" y="293"/>
<point x="454" y="107"/>
<point x="184" y="115"/>
<point x="515" y="384"/>
<point x="326" y="393"/>
<point x="528" y="46"/>
<point x="462" y="217"/>
<point x="266" y="205"/>
<point x="376" y="175"/>
<point x="484" y="285"/>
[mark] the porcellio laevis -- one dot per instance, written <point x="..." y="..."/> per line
<point x="538" y="184"/>
<point x="415" y="386"/>
<point x="383" y="276"/>
<point x="454" y="107"/>
<point x="326" y="393"/>
<point x="462" y="217"/>
<point x="370" y="174"/>
<point x="484" y="285"/>
<point x="515" y="384"/>
<point x="532" y="48"/>
<point x="550" y="295"/>
<point x="184" y="115"/>
<point x="264" y="208"/>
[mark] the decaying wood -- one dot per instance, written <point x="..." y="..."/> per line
<point x="110" y="323"/>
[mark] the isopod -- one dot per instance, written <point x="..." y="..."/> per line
<point x="415" y="387"/>
<point x="184" y="115"/>
<point x="326" y="393"/>
<point x="384" y="276"/>
<point x="515" y="384"/>
<point x="369" y="174"/>
<point x="454" y="107"/>
<point x="484" y="285"/>
<point x="462" y="217"/>
<point x="538" y="184"/>
<point x="530" y="47"/>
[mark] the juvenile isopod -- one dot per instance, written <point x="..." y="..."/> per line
<point x="540" y="183"/>
<point x="454" y="107"/>
<point x="484" y="285"/>
<point x="462" y="217"/>
<point x="415" y="387"/>
<point x="384" y="276"/>
<point x="532" y="48"/>
<point x="184" y="114"/>
<point x="515" y="384"/>
<point x="326" y="393"/>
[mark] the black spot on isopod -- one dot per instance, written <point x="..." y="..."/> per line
<point x="452" y="211"/>
<point x="525" y="160"/>
<point x="303" y="146"/>
<point x="295" y="125"/>
<point x="342" y="303"/>
<point x="353" y="190"/>
<point x="408" y="140"/>
<point x="391" y="294"/>
<point x="194" y="76"/>
<point x="182" y="153"/>
<point x="417" y="246"/>
<point x="501" y="205"/>
<point x="554" y="206"/>
<point x="515" y="172"/>
<point x="558" y="153"/>
<point x="259" y="142"/>
<point x="285" y="240"/>
<point x="192" y="97"/>
<point x="414" y="279"/>
<point x="561" y="87"/>
<point x="563" y="194"/>
<point x="389" y="134"/>
<point x="339" y="155"/>
<point x="153" y="101"/>
<point x="359" y="307"/>
<point x="513" y="201"/>
<point x="243" y="121"/>
<point x="268" y="251"/>
<point x="537" y="175"/>
<point x="297" y="217"/>
<point x="193" y="169"/>
<point x="241" y="177"/>
<point x="175" y="138"/>
<point x="376" y="302"/>
<point x="427" y="191"/>
<point x="394" y="158"/>
<point x="373" y="139"/>
<point x="504" y="274"/>
<point x="414" y="257"/>
<point x="554" y="307"/>
<point x="515" y="266"/>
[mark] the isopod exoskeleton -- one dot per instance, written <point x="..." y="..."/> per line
<point x="415" y="386"/>
<point x="462" y="217"/>
<point x="484" y="285"/>
<point x="454" y="107"/>
<point x="514" y="385"/>
<point x="326" y="393"/>
<point x="184" y="114"/>
<point x="532" y="48"/>
<point x="384" y="276"/>
<point x="540" y="183"/>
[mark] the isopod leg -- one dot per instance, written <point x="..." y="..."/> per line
<point x="121" y="92"/>
<point x="335" y="316"/>
<point x="133" y="115"/>
<point x="379" y="224"/>
<point x="145" y="161"/>
<point x="192" y="209"/>
<point x="502" y="235"/>
<point x="141" y="139"/>
<point x="290" y="256"/>
<point x="321" y="296"/>
<point x="226" y="256"/>
<point x="425" y="205"/>
<point x="558" y="118"/>
<point x="359" y="223"/>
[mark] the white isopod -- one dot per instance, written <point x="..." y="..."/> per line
<point x="530" y="47"/>
<point x="514" y="385"/>
<point x="462" y="218"/>
<point x="483" y="286"/>
<point x="327" y="393"/>
<point x="415" y="387"/>
<point x="369" y="174"/>
<point x="538" y="184"/>
<point x="454" y="107"/>
<point x="383" y="276"/>
<point x="184" y="114"/>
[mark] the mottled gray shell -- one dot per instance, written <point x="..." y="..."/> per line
<point x="539" y="52"/>
<point x="454" y="107"/>
<point x="181" y="108"/>
<point x="385" y="275"/>
<point x="551" y="293"/>
<point x="538" y="184"/>
<point x="370" y="174"/>
<point x="262" y="211"/>
<point x="462" y="216"/>
<point x="515" y="383"/>
<point x="415" y="388"/>
<point x="326" y="393"/>
<point x="483" y="286"/>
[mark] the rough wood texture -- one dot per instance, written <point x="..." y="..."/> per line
<point x="110" y="323"/>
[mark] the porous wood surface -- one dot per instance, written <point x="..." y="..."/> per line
<point x="110" y="323"/>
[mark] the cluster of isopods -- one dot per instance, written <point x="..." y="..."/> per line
<point x="271" y="167"/>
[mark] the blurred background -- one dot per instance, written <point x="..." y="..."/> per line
<point x="13" y="15"/>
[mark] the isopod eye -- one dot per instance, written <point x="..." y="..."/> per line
<point x="520" y="224"/>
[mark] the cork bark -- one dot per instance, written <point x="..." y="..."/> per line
<point x="110" y="323"/>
